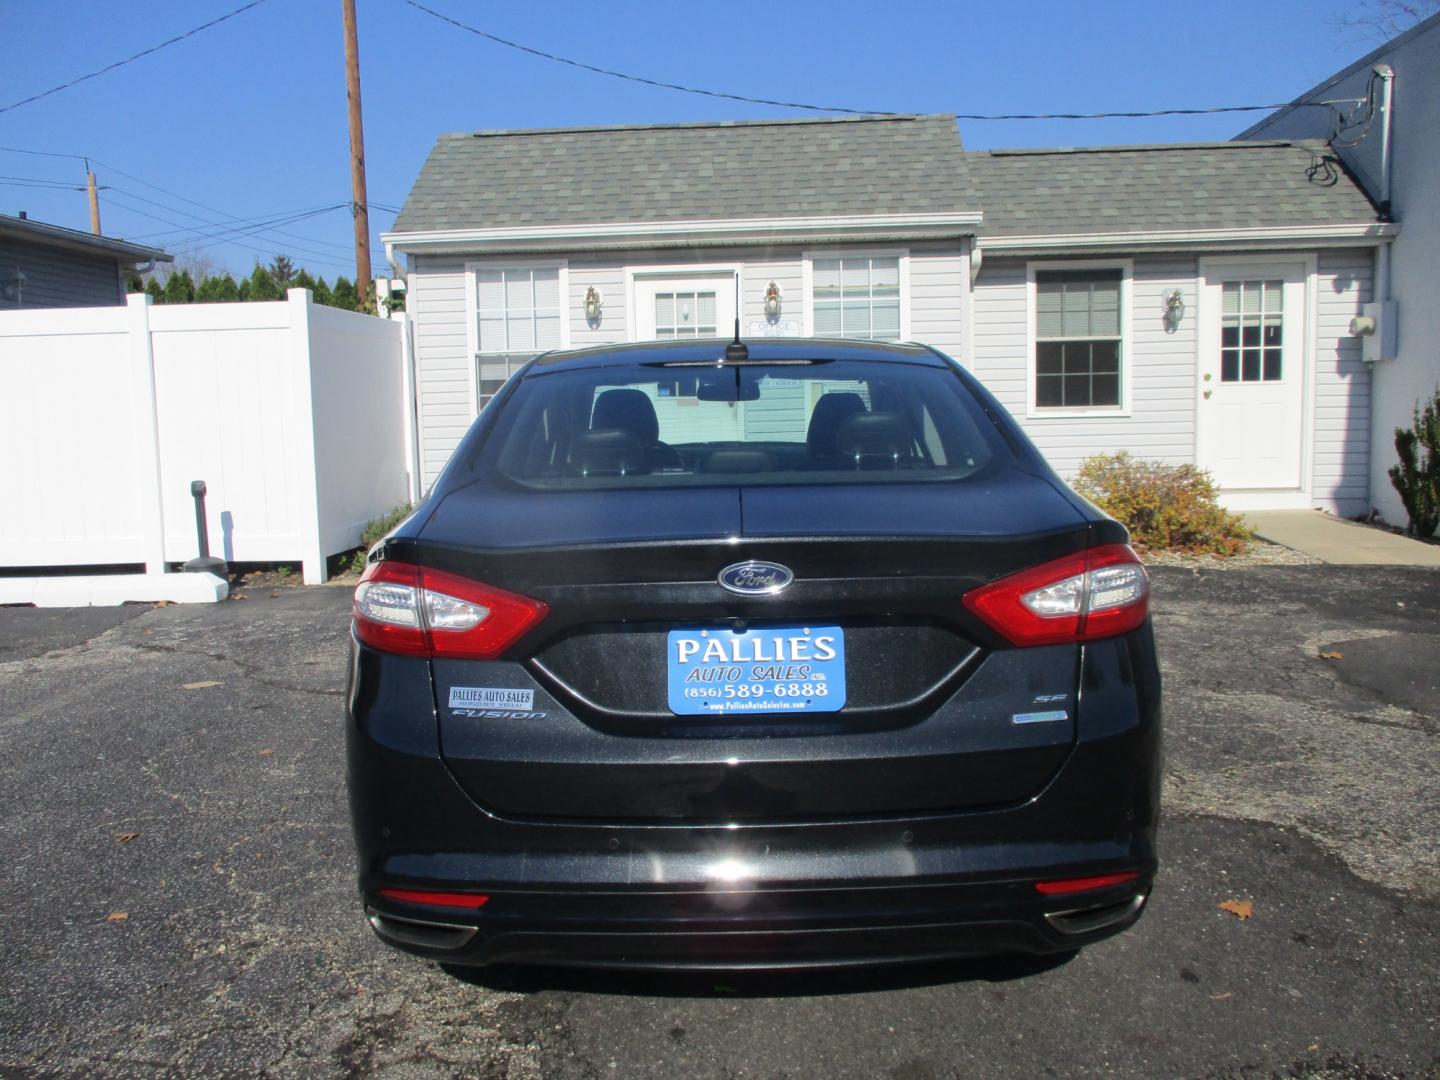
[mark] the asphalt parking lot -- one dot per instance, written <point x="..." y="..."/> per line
<point x="176" y="895"/>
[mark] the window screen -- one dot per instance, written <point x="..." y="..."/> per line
<point x="1078" y="338"/>
<point x="518" y="312"/>
<point x="857" y="297"/>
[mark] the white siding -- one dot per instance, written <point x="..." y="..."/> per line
<point x="1341" y="464"/>
<point x="783" y="266"/>
<point x="608" y="276"/>
<point x="443" y="364"/>
<point x="1161" y="424"/>
<point x="939" y="279"/>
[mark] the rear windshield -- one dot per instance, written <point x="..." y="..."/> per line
<point x="828" y="422"/>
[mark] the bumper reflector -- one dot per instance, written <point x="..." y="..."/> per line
<point x="1085" y="884"/>
<point x="436" y="899"/>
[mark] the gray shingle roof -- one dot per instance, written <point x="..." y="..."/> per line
<point x="1161" y="188"/>
<point x="690" y="172"/>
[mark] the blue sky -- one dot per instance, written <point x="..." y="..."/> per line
<point x="248" y="118"/>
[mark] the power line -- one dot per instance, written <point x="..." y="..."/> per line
<point x="194" y="247"/>
<point x="43" y="185"/>
<point x="204" y="206"/>
<point x="1127" y="115"/>
<point x="637" y="78"/>
<point x="132" y="59"/>
<point x="164" y="191"/>
<point x="233" y="235"/>
<point x="259" y="219"/>
<point x="237" y="222"/>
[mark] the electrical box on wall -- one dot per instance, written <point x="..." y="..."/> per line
<point x="1376" y="327"/>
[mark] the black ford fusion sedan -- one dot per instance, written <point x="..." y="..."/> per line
<point x="769" y="656"/>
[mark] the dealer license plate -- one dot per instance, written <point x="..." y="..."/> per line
<point x="773" y="669"/>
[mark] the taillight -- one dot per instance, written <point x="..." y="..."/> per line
<point x="437" y="899"/>
<point x="1094" y="594"/>
<point x="417" y="611"/>
<point x="1086" y="884"/>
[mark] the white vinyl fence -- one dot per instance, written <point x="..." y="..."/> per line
<point x="297" y="417"/>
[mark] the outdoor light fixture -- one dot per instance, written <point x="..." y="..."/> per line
<point x="1174" y="310"/>
<point x="14" y="287"/>
<point x="593" y="303"/>
<point x="772" y="301"/>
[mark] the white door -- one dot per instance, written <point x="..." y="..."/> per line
<point x="1251" y="426"/>
<point x="671" y="307"/>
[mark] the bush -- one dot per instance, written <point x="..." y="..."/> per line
<point x="374" y="530"/>
<point x="1417" y="477"/>
<point x="1165" y="507"/>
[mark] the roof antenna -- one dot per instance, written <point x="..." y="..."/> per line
<point x="736" y="352"/>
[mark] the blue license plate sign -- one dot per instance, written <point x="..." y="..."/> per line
<point x="780" y="669"/>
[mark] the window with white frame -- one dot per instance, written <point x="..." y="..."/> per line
<point x="517" y="314"/>
<point x="857" y="296"/>
<point x="1078" y="339"/>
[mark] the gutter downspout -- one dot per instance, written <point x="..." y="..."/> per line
<point x="1386" y="74"/>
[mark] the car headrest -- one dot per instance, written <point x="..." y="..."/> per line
<point x="872" y="439"/>
<point x="830" y="411"/>
<point x="738" y="461"/>
<point x="608" y="453"/>
<point x="629" y="410"/>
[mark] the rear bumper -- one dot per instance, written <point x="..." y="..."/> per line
<point x="784" y="930"/>
<point x="792" y="894"/>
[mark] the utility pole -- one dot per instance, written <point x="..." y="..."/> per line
<point x="359" y="206"/>
<point x="94" y="200"/>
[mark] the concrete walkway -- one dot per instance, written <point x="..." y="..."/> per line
<point x="1335" y="540"/>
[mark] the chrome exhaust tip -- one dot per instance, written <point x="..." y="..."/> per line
<point x="421" y="933"/>
<point x="1088" y="919"/>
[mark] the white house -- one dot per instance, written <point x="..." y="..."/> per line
<point x="1190" y="303"/>
<point x="1389" y="139"/>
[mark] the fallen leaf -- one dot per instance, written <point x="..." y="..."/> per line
<point x="200" y="685"/>
<point x="267" y="751"/>
<point x="273" y="595"/>
<point x="1241" y="909"/>
<point x="1332" y="656"/>
<point x="238" y="596"/>
<point x="126" y="837"/>
<point x="117" y="916"/>
<point x="1222" y="997"/>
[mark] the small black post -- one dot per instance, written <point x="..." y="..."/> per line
<point x="206" y="563"/>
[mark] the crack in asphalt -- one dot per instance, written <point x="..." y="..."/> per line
<point x="247" y="667"/>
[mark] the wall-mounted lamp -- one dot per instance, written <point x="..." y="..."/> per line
<point x="593" y="303"/>
<point x="772" y="301"/>
<point x="13" y="287"/>
<point x="1174" y="310"/>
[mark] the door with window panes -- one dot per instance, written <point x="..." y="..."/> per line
<point x="1251" y="377"/>
<point x="674" y="307"/>
<point x="685" y="307"/>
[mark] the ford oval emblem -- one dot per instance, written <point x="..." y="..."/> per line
<point x="755" y="578"/>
